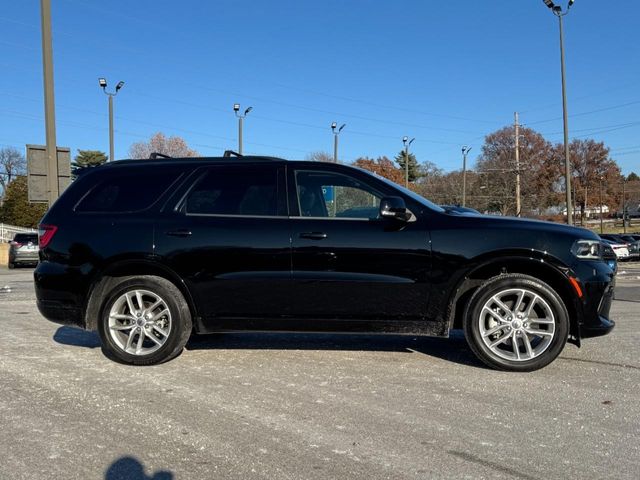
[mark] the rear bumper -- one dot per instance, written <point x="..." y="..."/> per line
<point x="31" y="257"/>
<point x="59" y="312"/>
<point x="58" y="297"/>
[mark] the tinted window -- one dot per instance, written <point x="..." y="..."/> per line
<point x="129" y="191"/>
<point x="26" y="238"/>
<point x="334" y="195"/>
<point x="235" y="191"/>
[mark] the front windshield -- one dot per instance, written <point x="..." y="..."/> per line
<point x="418" y="198"/>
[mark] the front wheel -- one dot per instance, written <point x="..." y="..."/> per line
<point x="516" y="322"/>
<point x="145" y="320"/>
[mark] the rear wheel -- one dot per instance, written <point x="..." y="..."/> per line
<point x="145" y="320"/>
<point x="516" y="322"/>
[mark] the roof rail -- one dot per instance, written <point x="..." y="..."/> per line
<point x="155" y="155"/>
<point x="231" y="153"/>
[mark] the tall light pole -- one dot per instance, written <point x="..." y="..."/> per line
<point x="465" y="151"/>
<point x="557" y="11"/>
<point x="336" y="132"/>
<point x="236" y="109"/>
<point x="49" y="103"/>
<point x="103" y="84"/>
<point x="407" y="143"/>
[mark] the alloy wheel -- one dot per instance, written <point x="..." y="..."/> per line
<point x="517" y="324"/>
<point x="139" y="322"/>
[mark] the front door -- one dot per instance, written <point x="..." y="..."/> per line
<point x="347" y="263"/>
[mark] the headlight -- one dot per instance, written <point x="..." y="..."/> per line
<point x="587" y="249"/>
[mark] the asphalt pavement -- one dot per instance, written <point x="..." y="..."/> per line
<point x="289" y="406"/>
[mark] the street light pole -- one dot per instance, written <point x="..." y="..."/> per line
<point x="406" y="142"/>
<point x="236" y="109"/>
<point x="557" y="11"/>
<point x="335" y="139"/>
<point x="465" y="151"/>
<point x="103" y="84"/>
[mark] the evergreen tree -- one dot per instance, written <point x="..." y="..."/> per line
<point x="414" y="168"/>
<point x="87" y="159"/>
<point x="16" y="209"/>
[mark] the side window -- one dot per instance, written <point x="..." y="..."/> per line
<point x="130" y="191"/>
<point x="335" y="195"/>
<point x="235" y="191"/>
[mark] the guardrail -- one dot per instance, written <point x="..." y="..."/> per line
<point x="8" y="231"/>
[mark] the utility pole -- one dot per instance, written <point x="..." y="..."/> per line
<point x="601" y="227"/>
<point x="465" y="151"/>
<point x="335" y="139"/>
<point x="103" y="84"/>
<point x="517" y="131"/>
<point x="624" y="205"/>
<point x="406" y="142"/>
<point x="236" y="109"/>
<point x="49" y="102"/>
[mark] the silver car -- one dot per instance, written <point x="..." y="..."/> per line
<point x="23" y="249"/>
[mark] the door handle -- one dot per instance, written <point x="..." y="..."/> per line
<point x="179" y="233"/>
<point x="314" y="235"/>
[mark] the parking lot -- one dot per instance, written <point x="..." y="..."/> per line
<point x="300" y="406"/>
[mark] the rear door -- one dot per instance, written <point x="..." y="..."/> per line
<point x="228" y="238"/>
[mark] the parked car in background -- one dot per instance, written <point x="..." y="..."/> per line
<point x="632" y="245"/>
<point x="262" y="244"/>
<point x="621" y="250"/>
<point x="23" y="249"/>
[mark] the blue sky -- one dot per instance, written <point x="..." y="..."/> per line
<point x="446" y="73"/>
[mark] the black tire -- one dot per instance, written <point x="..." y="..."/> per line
<point x="11" y="265"/>
<point x="476" y="318"/>
<point x="180" y="318"/>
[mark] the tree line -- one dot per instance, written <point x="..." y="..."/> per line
<point x="491" y="182"/>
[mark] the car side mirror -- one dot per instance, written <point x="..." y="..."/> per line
<point x="394" y="208"/>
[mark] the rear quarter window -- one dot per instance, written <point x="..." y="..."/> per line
<point x="131" y="190"/>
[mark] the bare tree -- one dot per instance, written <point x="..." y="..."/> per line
<point x="159" y="143"/>
<point x="12" y="164"/>
<point x="319" y="157"/>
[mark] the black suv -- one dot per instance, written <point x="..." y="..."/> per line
<point x="149" y="251"/>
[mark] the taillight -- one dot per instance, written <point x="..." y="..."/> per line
<point x="46" y="233"/>
<point x="16" y="244"/>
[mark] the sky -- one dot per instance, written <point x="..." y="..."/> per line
<point x="446" y="72"/>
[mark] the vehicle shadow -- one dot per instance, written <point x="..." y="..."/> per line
<point x="130" y="468"/>
<point x="76" y="337"/>
<point x="453" y="349"/>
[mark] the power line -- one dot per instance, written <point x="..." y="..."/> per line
<point x="614" y="107"/>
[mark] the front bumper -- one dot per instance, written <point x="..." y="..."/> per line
<point x="598" y="281"/>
